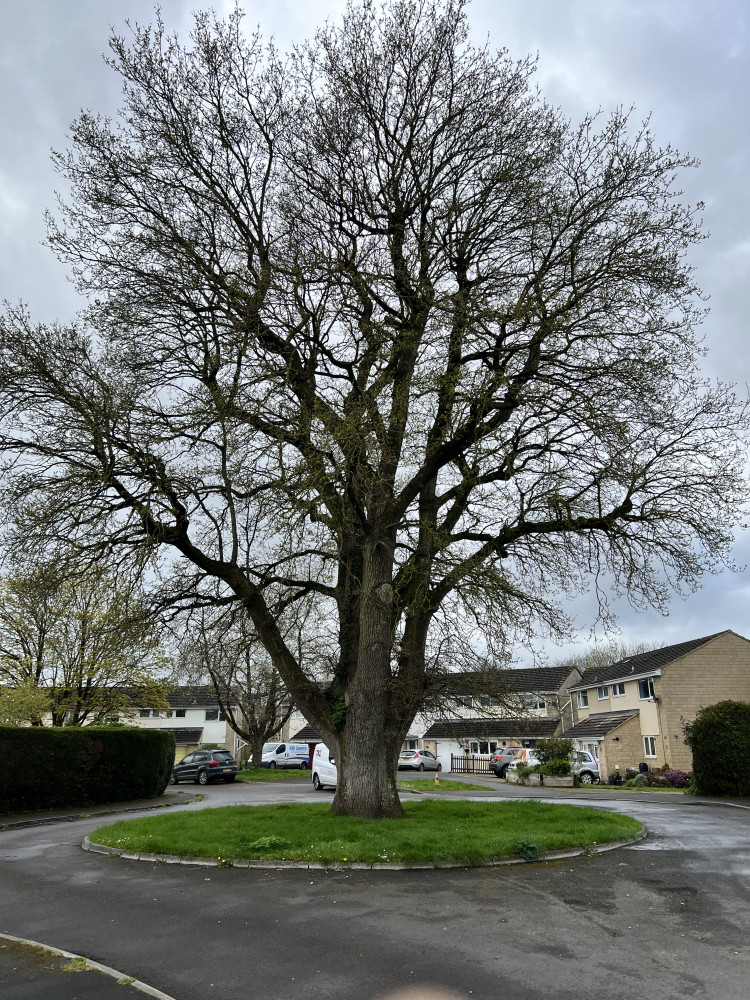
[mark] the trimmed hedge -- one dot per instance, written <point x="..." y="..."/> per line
<point x="53" y="768"/>
<point x="720" y="741"/>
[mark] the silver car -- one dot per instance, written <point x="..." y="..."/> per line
<point x="582" y="764"/>
<point x="419" y="760"/>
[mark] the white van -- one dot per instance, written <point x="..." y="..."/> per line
<point x="323" y="768"/>
<point x="285" y="755"/>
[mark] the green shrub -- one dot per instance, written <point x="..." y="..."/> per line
<point x="523" y="771"/>
<point x="558" y="768"/>
<point x="553" y="748"/>
<point x="719" y="739"/>
<point x="55" y="768"/>
<point x="640" y="781"/>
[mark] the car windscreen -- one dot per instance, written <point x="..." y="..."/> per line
<point x="269" y="747"/>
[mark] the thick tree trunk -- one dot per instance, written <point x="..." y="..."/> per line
<point x="367" y="763"/>
<point x="369" y="743"/>
<point x="257" y="746"/>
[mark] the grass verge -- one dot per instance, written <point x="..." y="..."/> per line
<point x="428" y="785"/>
<point x="470" y="833"/>
<point x="272" y="774"/>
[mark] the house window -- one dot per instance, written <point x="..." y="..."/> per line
<point x="148" y="713"/>
<point x="602" y="692"/>
<point x="482" y="747"/>
<point x="646" y="689"/>
<point x="487" y="701"/>
<point x="583" y="699"/>
<point x="618" y="690"/>
<point x="212" y="714"/>
<point x="532" y="702"/>
<point x="179" y="713"/>
<point x="411" y="744"/>
<point x="465" y="700"/>
<point x="649" y="746"/>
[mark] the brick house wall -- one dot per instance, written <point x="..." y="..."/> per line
<point x="622" y="748"/>
<point x="718" y="671"/>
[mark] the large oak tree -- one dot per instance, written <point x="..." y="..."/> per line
<point x="372" y="326"/>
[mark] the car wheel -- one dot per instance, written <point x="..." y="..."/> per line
<point x="173" y="779"/>
<point x="230" y="778"/>
<point x="303" y="766"/>
<point x="202" y="777"/>
<point x="587" y="778"/>
<point x="421" y="767"/>
<point x="316" y="783"/>
<point x="503" y="772"/>
<point x="439" y="767"/>
<point x="272" y="764"/>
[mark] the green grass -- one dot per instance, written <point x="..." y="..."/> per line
<point x="273" y="774"/>
<point x="433" y="832"/>
<point x="428" y="785"/>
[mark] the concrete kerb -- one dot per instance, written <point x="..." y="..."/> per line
<point x="173" y="859"/>
<point x="113" y="973"/>
<point x="21" y="821"/>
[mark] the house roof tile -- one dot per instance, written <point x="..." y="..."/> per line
<point x="504" y="728"/>
<point x="640" y="663"/>
<point x="182" y="736"/>
<point x="600" y="723"/>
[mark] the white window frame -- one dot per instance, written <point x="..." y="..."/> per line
<point x="649" y="682"/>
<point x="582" y="698"/>
<point x="649" y="743"/>
<point x="618" y="690"/>
<point x="602" y="688"/>
<point x="534" y="702"/>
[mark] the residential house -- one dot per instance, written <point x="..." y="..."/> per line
<point x="534" y="705"/>
<point x="633" y="711"/>
<point x="468" y="722"/>
<point x="194" y="717"/>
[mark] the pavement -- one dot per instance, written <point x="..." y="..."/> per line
<point x="667" y="918"/>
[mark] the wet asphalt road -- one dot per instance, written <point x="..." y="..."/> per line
<point x="668" y="918"/>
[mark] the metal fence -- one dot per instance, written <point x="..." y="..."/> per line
<point x="467" y="764"/>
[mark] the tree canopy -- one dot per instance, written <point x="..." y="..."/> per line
<point x="85" y="643"/>
<point x="372" y="326"/>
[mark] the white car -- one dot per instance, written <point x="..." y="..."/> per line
<point x="324" y="773"/>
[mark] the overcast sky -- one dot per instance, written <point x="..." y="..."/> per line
<point x="686" y="62"/>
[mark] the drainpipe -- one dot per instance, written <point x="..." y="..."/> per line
<point x="562" y="712"/>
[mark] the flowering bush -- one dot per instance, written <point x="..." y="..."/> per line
<point x="678" y="779"/>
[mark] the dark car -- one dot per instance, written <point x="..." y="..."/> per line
<point x="203" y="766"/>
<point x="502" y="759"/>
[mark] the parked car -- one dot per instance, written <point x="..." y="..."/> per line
<point x="203" y="766"/>
<point x="502" y="759"/>
<point x="419" y="760"/>
<point x="285" y="755"/>
<point x="324" y="773"/>
<point x="582" y="764"/>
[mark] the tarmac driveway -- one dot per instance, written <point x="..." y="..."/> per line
<point x="668" y="918"/>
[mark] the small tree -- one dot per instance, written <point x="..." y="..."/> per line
<point x="25" y="704"/>
<point x="719" y="738"/>
<point x="223" y="649"/>
<point x="553" y="748"/>
<point x="84" y="638"/>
